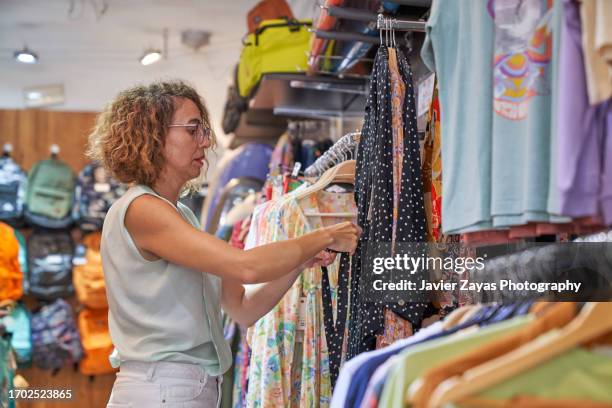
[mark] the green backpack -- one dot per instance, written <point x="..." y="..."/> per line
<point x="50" y="194"/>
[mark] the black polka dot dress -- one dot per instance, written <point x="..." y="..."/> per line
<point x="374" y="198"/>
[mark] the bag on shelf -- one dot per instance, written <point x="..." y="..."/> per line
<point x="97" y="344"/>
<point x="11" y="277"/>
<point x="277" y="46"/>
<point x="23" y="260"/>
<point x="7" y="372"/>
<point x="95" y="192"/>
<point x="234" y="106"/>
<point x="88" y="277"/>
<point x="18" y="325"/>
<point x="13" y="183"/>
<point x="50" y="255"/>
<point x="268" y="10"/>
<point x="55" y="337"/>
<point x="50" y="194"/>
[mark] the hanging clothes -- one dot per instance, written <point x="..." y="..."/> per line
<point x="581" y="129"/>
<point x="291" y="365"/>
<point x="597" y="43"/>
<point x="374" y="197"/>
<point x="459" y="49"/>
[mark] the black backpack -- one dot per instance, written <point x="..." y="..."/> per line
<point x="50" y="256"/>
<point x="13" y="184"/>
<point x="235" y="106"/>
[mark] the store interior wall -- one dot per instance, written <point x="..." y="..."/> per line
<point x="31" y="132"/>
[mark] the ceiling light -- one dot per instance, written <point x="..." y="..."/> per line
<point x="26" y="56"/>
<point x="34" y="95"/>
<point x="150" y="57"/>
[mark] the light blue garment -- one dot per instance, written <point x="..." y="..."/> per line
<point x="351" y="366"/>
<point x="525" y="65"/>
<point x="159" y="311"/>
<point x="459" y="48"/>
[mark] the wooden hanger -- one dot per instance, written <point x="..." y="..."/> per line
<point x="340" y="173"/>
<point x="453" y="319"/>
<point x="593" y="321"/>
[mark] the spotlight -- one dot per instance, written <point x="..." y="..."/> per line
<point x="25" y="56"/>
<point x="150" y="57"/>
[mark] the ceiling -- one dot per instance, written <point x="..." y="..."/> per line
<point x="95" y="56"/>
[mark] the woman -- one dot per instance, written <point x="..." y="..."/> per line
<point x="166" y="280"/>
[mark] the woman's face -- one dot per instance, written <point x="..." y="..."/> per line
<point x="183" y="154"/>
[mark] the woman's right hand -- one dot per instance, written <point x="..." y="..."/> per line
<point x="345" y="236"/>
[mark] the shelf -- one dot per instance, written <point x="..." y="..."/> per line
<point x="300" y="96"/>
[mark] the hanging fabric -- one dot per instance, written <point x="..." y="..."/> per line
<point x="374" y="196"/>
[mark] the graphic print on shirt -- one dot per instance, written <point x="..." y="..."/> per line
<point x="523" y="51"/>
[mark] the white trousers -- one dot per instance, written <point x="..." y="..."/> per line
<point x="164" y="385"/>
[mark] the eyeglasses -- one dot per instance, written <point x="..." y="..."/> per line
<point x="198" y="131"/>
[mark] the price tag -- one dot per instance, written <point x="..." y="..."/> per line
<point x="302" y="314"/>
<point x="425" y="94"/>
<point x="296" y="169"/>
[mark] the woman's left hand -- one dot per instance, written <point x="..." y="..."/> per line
<point x="323" y="258"/>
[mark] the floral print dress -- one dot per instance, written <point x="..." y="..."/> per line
<point x="290" y="360"/>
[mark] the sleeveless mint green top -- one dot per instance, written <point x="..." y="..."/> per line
<point x="159" y="311"/>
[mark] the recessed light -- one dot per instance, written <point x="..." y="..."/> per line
<point x="26" y="56"/>
<point x="34" y="95"/>
<point x="150" y="57"/>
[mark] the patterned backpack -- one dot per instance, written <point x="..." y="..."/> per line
<point x="13" y="184"/>
<point x="55" y="337"/>
<point x="95" y="192"/>
<point x="50" y="263"/>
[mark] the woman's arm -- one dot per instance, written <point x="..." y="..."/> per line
<point x="158" y="230"/>
<point x="247" y="305"/>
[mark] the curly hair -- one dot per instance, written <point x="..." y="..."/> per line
<point x="130" y="133"/>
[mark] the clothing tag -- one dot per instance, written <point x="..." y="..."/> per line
<point x="302" y="314"/>
<point x="425" y="94"/>
<point x="102" y="187"/>
<point x="296" y="169"/>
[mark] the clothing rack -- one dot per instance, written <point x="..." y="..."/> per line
<point x="385" y="23"/>
<point x="344" y="149"/>
<point x="588" y="262"/>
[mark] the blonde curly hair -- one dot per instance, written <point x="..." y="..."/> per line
<point x="130" y="133"/>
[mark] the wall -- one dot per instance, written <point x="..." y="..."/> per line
<point x="32" y="132"/>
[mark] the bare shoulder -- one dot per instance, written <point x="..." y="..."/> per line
<point x="148" y="212"/>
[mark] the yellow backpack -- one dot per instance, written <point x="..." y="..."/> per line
<point x="277" y="46"/>
<point x="11" y="277"/>
<point x="97" y="344"/>
<point x="88" y="278"/>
